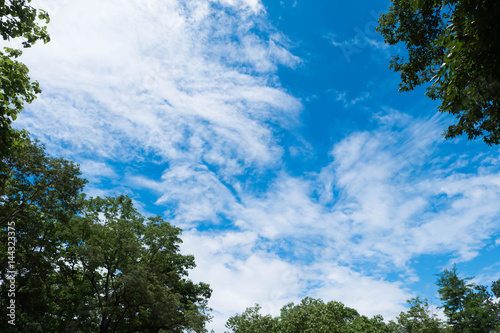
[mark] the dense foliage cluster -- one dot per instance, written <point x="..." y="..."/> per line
<point x="310" y="316"/>
<point x="467" y="307"/>
<point x="18" y="21"/>
<point x="454" y="46"/>
<point x="88" y="264"/>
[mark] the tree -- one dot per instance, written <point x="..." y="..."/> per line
<point x="469" y="307"/>
<point x="251" y="321"/>
<point x="88" y="265"/>
<point x="38" y="195"/>
<point x="454" y="45"/>
<point x="36" y="183"/>
<point x="17" y="20"/>
<point x="130" y="271"/>
<point x="313" y="315"/>
<point x="418" y="319"/>
<point x="310" y="316"/>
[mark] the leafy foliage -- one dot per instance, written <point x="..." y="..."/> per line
<point x="17" y="20"/>
<point x="134" y="276"/>
<point x="16" y="89"/>
<point x="310" y="316"/>
<point x="468" y="307"/>
<point x="418" y="319"/>
<point x="38" y="195"/>
<point x="35" y="187"/>
<point x="454" y="45"/>
<point x="313" y="315"/>
<point x="89" y="265"/>
<point x="251" y="321"/>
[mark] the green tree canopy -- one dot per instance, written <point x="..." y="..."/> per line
<point x="38" y="195"/>
<point x="454" y="46"/>
<point x="134" y="278"/>
<point x="36" y="183"/>
<point x="468" y="307"/>
<point x="18" y="20"/>
<point x="89" y="265"/>
<point x="312" y="315"/>
<point x="309" y="316"/>
<point x="418" y="319"/>
<point x="252" y="321"/>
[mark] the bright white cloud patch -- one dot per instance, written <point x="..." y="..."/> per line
<point x="169" y="87"/>
<point x="190" y="89"/>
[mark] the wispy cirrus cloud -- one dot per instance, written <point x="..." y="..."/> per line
<point x="342" y="96"/>
<point x="167" y="88"/>
<point x="363" y="37"/>
<point x="372" y="210"/>
<point x="388" y="184"/>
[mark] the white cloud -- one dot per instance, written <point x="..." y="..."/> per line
<point x="167" y="87"/>
<point x="341" y="96"/>
<point x="390" y="202"/>
<point x="370" y="296"/>
<point x="93" y="170"/>
<point x="392" y="117"/>
<point x="253" y="5"/>
<point x="243" y="276"/>
<point x="240" y="275"/>
<point x="375" y="206"/>
<point x="487" y="275"/>
<point x="362" y="39"/>
<point x="359" y="41"/>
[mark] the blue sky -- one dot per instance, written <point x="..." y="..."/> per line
<point x="272" y="132"/>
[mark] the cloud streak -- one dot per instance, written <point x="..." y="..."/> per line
<point x="371" y="211"/>
<point x="166" y="88"/>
